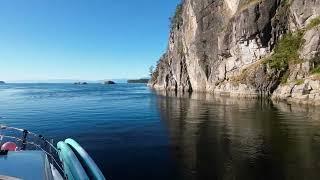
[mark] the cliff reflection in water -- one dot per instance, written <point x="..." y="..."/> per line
<point x="222" y="138"/>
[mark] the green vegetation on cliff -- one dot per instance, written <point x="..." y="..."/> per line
<point x="247" y="3"/>
<point x="286" y="51"/>
<point x="316" y="70"/>
<point x="314" y="22"/>
<point x="299" y="81"/>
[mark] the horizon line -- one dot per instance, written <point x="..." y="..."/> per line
<point x="69" y="80"/>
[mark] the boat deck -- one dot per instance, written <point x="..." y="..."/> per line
<point x="26" y="165"/>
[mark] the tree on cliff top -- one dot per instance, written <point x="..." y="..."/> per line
<point x="176" y="20"/>
<point x="151" y="70"/>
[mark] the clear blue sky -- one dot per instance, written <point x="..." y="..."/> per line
<point x="81" y="39"/>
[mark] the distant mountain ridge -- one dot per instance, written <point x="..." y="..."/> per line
<point x="142" y="80"/>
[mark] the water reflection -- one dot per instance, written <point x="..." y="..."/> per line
<point x="224" y="138"/>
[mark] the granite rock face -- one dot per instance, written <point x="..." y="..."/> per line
<point x="222" y="47"/>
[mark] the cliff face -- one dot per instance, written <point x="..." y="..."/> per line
<point x="244" y="48"/>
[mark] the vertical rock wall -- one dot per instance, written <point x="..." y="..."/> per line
<point x="222" y="46"/>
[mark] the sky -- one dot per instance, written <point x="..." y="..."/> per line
<point x="82" y="39"/>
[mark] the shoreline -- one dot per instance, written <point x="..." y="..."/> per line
<point x="237" y="96"/>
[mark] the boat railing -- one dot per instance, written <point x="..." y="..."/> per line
<point x="27" y="140"/>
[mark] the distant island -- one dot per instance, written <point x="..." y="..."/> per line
<point x="138" y="81"/>
<point x="2" y="82"/>
<point x="80" y="83"/>
<point x="109" y="82"/>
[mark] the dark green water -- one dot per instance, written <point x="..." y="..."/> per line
<point x="134" y="133"/>
<point x="224" y="138"/>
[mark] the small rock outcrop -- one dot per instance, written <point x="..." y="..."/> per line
<point x="244" y="48"/>
<point x="109" y="82"/>
<point x="80" y="83"/>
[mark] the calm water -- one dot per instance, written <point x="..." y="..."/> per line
<point x="134" y="133"/>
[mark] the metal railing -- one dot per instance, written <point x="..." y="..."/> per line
<point x="43" y="144"/>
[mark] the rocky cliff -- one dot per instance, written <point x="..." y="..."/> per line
<point x="244" y="48"/>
